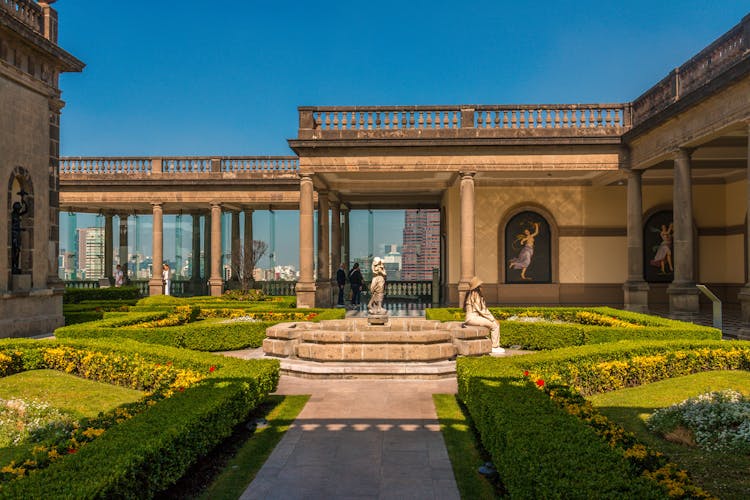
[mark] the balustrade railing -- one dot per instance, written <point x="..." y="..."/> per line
<point x="26" y="11"/>
<point x="276" y="288"/>
<point x="175" y="166"/>
<point x="417" y="290"/>
<point x="412" y="121"/>
<point x="110" y="165"/>
<point x="725" y="52"/>
<point x="288" y="164"/>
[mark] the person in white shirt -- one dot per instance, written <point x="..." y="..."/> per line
<point x="165" y="277"/>
<point x="119" y="276"/>
<point x="477" y="313"/>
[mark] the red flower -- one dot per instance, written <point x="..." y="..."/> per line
<point x="169" y="363"/>
<point x="540" y="383"/>
<point x="181" y="389"/>
<point x="157" y="365"/>
<point x="212" y="369"/>
<point x="526" y="373"/>
<point x="71" y="451"/>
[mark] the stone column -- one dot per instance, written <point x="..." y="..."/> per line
<point x="635" y="288"/>
<point x="683" y="296"/>
<point x="155" y="284"/>
<point x="215" y="281"/>
<point x="467" y="234"/>
<point x="109" y="245"/>
<point x="335" y="238"/>
<point x="195" y="263"/>
<point x="247" y="250"/>
<point x="324" y="273"/>
<point x="124" y="246"/>
<point x="235" y="258"/>
<point x="305" y="289"/>
<point x="744" y="294"/>
<point x="207" y="247"/>
<point x="346" y="257"/>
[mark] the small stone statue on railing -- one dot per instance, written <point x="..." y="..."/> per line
<point x="20" y="208"/>
<point x="377" y="314"/>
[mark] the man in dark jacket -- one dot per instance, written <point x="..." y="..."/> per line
<point x="341" y="281"/>
<point x="355" y="280"/>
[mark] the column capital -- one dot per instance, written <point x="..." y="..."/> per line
<point x="305" y="177"/>
<point x="467" y="174"/>
<point x="155" y="204"/>
<point x="214" y="204"/>
<point x="683" y="152"/>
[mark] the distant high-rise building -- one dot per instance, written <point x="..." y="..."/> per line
<point x="420" y="253"/>
<point x="91" y="252"/>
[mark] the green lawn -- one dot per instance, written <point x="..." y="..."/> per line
<point x="724" y="475"/>
<point x="71" y="394"/>
<point x="463" y="449"/>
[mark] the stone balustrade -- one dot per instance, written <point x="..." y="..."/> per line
<point x="175" y="166"/>
<point x="27" y="11"/>
<point x="339" y="122"/>
<point x="728" y="50"/>
<point x="412" y="289"/>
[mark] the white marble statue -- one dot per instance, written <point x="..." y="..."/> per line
<point x="377" y="287"/>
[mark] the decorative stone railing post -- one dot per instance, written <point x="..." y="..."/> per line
<point x="156" y="164"/>
<point x="467" y="118"/>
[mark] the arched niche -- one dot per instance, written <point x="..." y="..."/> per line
<point x="20" y="212"/>
<point x="518" y="227"/>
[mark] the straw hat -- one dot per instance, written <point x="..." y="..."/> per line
<point x="475" y="283"/>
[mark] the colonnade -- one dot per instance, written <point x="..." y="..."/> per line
<point x="682" y="292"/>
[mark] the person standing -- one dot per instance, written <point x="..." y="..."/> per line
<point x="165" y="277"/>
<point x="341" y="282"/>
<point x="119" y="276"/>
<point x="477" y="313"/>
<point x="355" y="280"/>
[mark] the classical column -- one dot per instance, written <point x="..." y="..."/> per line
<point x="305" y="289"/>
<point x="236" y="258"/>
<point x="324" y="257"/>
<point x="207" y="246"/>
<point x="155" y="284"/>
<point x="467" y="233"/>
<point x="215" y="281"/>
<point x="683" y="296"/>
<point x="635" y="288"/>
<point x="108" y="247"/>
<point x="195" y="262"/>
<point x="248" y="259"/>
<point x="335" y="238"/>
<point x="345" y="258"/>
<point x="744" y="294"/>
<point x="123" y="252"/>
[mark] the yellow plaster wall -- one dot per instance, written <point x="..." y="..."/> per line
<point x="736" y="203"/>
<point x="605" y="206"/>
<point x="709" y="205"/>
<point x="657" y="196"/>
<point x="721" y="259"/>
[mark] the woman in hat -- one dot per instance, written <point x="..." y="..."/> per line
<point x="477" y="313"/>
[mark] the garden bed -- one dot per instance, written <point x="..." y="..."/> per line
<point x="546" y="441"/>
<point x="556" y="327"/>
<point x="194" y="401"/>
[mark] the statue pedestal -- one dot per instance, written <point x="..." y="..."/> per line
<point x="378" y="319"/>
<point x="21" y="282"/>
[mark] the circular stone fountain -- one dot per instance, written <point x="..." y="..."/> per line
<point x="401" y="340"/>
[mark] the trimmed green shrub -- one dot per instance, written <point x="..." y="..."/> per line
<point x="76" y="295"/>
<point x="146" y="453"/>
<point x="568" y="326"/>
<point x="539" y="448"/>
<point x="92" y="310"/>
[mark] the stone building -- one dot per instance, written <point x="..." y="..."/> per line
<point x="30" y="105"/>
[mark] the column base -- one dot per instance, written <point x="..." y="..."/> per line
<point x="683" y="300"/>
<point x="215" y="287"/>
<point x="636" y="296"/>
<point x="305" y="293"/>
<point x="155" y="287"/>
<point x="463" y="288"/>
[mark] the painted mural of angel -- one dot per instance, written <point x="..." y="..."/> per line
<point x="526" y="240"/>
<point x="664" y="250"/>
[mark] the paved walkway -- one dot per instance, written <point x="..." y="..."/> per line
<point x="358" y="439"/>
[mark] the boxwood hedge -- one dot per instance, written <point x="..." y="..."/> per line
<point x="568" y="326"/>
<point x="543" y="442"/>
<point x="145" y="454"/>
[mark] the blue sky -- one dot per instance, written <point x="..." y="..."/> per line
<point x="225" y="78"/>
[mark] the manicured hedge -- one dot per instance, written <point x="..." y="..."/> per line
<point x="541" y="447"/>
<point x="92" y="310"/>
<point x="212" y="334"/>
<point x="76" y="295"/>
<point x="593" y="325"/>
<point x="147" y="453"/>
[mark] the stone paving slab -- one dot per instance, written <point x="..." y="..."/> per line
<point x="373" y="439"/>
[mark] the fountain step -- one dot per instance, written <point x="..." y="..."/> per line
<point x="341" y="352"/>
<point x="391" y="370"/>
